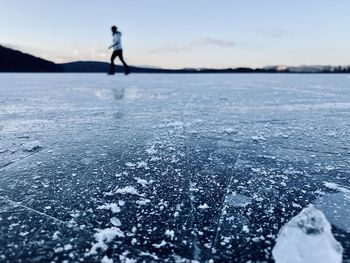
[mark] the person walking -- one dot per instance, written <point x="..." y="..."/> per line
<point x="118" y="51"/>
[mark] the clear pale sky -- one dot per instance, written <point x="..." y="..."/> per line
<point x="182" y="33"/>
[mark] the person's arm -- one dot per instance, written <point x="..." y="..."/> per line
<point x="112" y="45"/>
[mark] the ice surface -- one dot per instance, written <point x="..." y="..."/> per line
<point x="307" y="237"/>
<point x="168" y="168"/>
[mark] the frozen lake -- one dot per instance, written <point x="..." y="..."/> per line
<point x="168" y="167"/>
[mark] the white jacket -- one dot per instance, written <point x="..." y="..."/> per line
<point x="117" y="41"/>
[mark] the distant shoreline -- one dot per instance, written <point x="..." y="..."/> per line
<point x="188" y="73"/>
<point x="14" y="61"/>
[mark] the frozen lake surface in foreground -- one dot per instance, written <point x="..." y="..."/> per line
<point x="170" y="168"/>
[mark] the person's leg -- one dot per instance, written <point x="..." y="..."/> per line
<point x="114" y="55"/>
<point x="126" y="67"/>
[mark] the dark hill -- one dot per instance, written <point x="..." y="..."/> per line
<point x="16" y="61"/>
<point x="98" y="67"/>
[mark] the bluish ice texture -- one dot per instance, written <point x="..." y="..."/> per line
<point x="168" y="168"/>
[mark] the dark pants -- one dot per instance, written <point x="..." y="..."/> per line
<point x="118" y="53"/>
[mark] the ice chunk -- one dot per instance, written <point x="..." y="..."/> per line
<point x="115" y="221"/>
<point x="32" y="146"/>
<point x="332" y="186"/>
<point x="307" y="237"/>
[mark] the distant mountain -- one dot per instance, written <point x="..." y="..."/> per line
<point x="16" y="61"/>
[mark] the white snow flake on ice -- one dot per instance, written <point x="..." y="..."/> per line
<point x="142" y="164"/>
<point x="118" y="175"/>
<point x="258" y="138"/>
<point x="151" y="150"/>
<point x="170" y="233"/>
<point x="245" y="228"/>
<point x="125" y="259"/>
<point x="307" y="237"/>
<point x="103" y="237"/>
<point x="143" y="182"/>
<point x="162" y="244"/>
<point x="68" y="247"/>
<point x="106" y="259"/>
<point x="55" y="235"/>
<point x="143" y="201"/>
<point x="204" y="206"/>
<point x="127" y="190"/>
<point x="110" y="206"/>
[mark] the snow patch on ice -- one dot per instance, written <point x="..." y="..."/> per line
<point x="175" y="124"/>
<point x="103" y="237"/>
<point x="126" y="190"/>
<point x="151" y="150"/>
<point x="143" y="201"/>
<point x="110" y="206"/>
<point x="143" y="182"/>
<point x="142" y="164"/>
<point x="229" y="131"/>
<point x="32" y="146"/>
<point x="307" y="237"/>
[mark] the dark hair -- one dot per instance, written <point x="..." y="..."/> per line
<point x="114" y="28"/>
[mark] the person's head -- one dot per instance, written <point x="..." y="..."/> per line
<point x="114" y="29"/>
